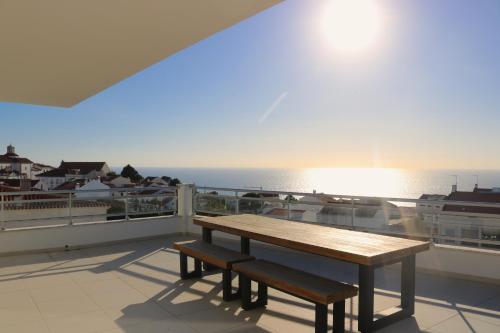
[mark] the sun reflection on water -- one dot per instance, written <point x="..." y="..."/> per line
<point x="383" y="182"/>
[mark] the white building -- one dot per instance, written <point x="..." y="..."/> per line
<point x="117" y="181"/>
<point x="154" y="182"/>
<point x="51" y="179"/>
<point x="89" y="190"/>
<point x="38" y="168"/>
<point x="454" y="219"/>
<point x="69" y="171"/>
<point x="11" y="162"/>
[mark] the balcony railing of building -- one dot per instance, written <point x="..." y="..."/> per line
<point x="33" y="209"/>
<point x="414" y="218"/>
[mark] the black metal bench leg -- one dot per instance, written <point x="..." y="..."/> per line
<point x="339" y="317"/>
<point x="246" y="294"/>
<point x="183" y="258"/>
<point x="227" y="289"/>
<point x="321" y="322"/>
<point x="262" y="294"/>
<point x="245" y="245"/>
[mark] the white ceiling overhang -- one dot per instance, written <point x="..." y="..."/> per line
<point x="59" y="52"/>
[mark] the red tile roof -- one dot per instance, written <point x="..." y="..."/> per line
<point x="474" y="196"/>
<point x="84" y="167"/>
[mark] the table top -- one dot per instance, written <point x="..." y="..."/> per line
<point x="352" y="246"/>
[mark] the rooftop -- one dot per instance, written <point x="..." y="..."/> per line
<point x="135" y="287"/>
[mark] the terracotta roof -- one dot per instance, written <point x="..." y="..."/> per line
<point x="69" y="185"/>
<point x="5" y="159"/>
<point x="13" y="158"/>
<point x="486" y="196"/>
<point x="53" y="173"/>
<point x="471" y="209"/>
<point x="4" y="188"/>
<point x="16" y="182"/>
<point x="474" y="196"/>
<point x="84" y="167"/>
<point x="432" y="196"/>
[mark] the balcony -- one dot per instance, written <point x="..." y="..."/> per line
<point x="134" y="287"/>
<point x="117" y="271"/>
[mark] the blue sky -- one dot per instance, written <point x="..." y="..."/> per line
<point x="270" y="92"/>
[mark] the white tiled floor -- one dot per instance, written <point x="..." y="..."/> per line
<point x="135" y="288"/>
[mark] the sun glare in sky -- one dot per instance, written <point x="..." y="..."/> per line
<point x="351" y="25"/>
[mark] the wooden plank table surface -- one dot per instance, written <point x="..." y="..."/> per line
<point x="367" y="250"/>
<point x="352" y="246"/>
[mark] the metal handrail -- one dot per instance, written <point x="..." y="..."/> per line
<point x="344" y="196"/>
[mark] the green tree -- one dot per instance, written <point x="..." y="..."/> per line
<point x="130" y="172"/>
<point x="249" y="205"/>
<point x="174" y="182"/>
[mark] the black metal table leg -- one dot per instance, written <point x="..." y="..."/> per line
<point x="366" y="276"/>
<point x="206" y="235"/>
<point x="245" y="245"/>
<point x="366" y="318"/>
<point x="408" y="285"/>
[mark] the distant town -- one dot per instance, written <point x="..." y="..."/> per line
<point x="34" y="194"/>
<point x="22" y="174"/>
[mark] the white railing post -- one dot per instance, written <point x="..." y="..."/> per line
<point x="353" y="214"/>
<point x="237" y="208"/>
<point x="480" y="236"/>
<point x="2" y="216"/>
<point x="70" y="208"/>
<point x="288" y="205"/>
<point x="185" y="204"/>
<point x="126" y="207"/>
<point x="438" y="223"/>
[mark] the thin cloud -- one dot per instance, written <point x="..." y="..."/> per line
<point x="273" y="107"/>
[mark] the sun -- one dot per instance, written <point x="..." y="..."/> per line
<point x="351" y="25"/>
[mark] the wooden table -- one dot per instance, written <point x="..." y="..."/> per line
<point x="368" y="251"/>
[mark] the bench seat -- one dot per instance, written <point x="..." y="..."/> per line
<point x="212" y="256"/>
<point x="310" y="287"/>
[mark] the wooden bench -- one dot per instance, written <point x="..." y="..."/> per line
<point x="319" y="290"/>
<point x="213" y="255"/>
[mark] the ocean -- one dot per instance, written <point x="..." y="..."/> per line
<point x="347" y="181"/>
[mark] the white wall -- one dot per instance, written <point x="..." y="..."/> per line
<point x="465" y="262"/>
<point x="16" y="241"/>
